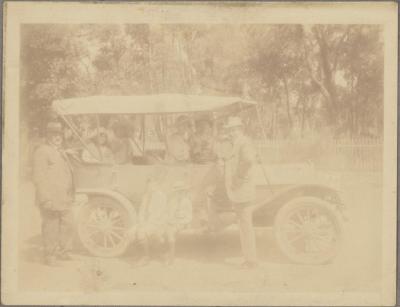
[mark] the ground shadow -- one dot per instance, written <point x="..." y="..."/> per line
<point x="216" y="247"/>
<point x="32" y="249"/>
<point x="221" y="246"/>
<point x="200" y="247"/>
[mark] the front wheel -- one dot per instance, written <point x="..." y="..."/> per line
<point x="103" y="227"/>
<point x="308" y="230"/>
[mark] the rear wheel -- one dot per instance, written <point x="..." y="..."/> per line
<point x="103" y="227"/>
<point x="308" y="230"/>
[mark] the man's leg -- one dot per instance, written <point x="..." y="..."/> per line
<point x="66" y="231"/>
<point x="156" y="239"/>
<point x="50" y="234"/>
<point x="143" y="242"/>
<point x="247" y="234"/>
<point x="218" y="205"/>
<point x="239" y="214"/>
<point x="213" y="221"/>
<point x="171" y="233"/>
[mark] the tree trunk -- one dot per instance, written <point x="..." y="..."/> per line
<point x="327" y="74"/>
<point x="303" y="116"/>
<point x="289" y="116"/>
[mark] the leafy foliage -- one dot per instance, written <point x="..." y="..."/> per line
<point x="305" y="78"/>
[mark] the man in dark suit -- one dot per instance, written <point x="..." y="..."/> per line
<point x="53" y="180"/>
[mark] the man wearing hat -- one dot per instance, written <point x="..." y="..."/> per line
<point x="53" y="180"/>
<point x="240" y="186"/>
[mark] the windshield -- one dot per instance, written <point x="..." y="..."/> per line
<point x="146" y="139"/>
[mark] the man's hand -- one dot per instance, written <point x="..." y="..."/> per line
<point x="73" y="152"/>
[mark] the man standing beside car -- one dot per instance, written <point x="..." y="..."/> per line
<point x="52" y="176"/>
<point x="240" y="187"/>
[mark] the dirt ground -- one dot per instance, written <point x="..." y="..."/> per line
<point x="210" y="263"/>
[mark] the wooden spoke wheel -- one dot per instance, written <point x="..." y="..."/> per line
<point x="308" y="230"/>
<point x="103" y="227"/>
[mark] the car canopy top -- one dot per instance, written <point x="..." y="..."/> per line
<point x="147" y="104"/>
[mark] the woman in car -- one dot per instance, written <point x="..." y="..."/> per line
<point x="98" y="149"/>
<point x="120" y="144"/>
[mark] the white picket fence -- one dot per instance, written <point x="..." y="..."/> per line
<point x="341" y="154"/>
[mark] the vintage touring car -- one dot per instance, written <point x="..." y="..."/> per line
<point x="305" y="213"/>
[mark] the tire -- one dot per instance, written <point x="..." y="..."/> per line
<point x="308" y="230"/>
<point x="103" y="227"/>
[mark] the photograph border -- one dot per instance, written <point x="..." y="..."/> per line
<point x="19" y="12"/>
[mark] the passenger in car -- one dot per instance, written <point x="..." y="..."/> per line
<point x="86" y="129"/>
<point x="70" y="140"/>
<point x="178" y="147"/>
<point x="179" y="216"/>
<point x="201" y="142"/>
<point x="120" y="144"/>
<point x="98" y="149"/>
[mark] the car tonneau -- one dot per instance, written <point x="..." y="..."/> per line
<point x="146" y="104"/>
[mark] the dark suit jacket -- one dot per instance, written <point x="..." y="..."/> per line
<point x="239" y="171"/>
<point x="53" y="180"/>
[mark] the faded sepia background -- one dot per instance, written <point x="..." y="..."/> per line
<point x="320" y="91"/>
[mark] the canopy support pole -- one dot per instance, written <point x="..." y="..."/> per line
<point x="258" y="151"/>
<point x="143" y="133"/>
<point x="77" y="134"/>
<point x="97" y="135"/>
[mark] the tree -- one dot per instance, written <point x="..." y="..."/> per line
<point x="304" y="77"/>
<point x="337" y="58"/>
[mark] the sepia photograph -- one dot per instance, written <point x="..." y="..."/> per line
<point x="213" y="153"/>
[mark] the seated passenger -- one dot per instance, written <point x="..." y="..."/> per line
<point x="201" y="143"/>
<point x="120" y="144"/>
<point x="178" y="148"/>
<point x="98" y="149"/>
<point x="153" y="216"/>
<point x="85" y="128"/>
<point x="136" y="146"/>
<point x="70" y="139"/>
<point x="179" y="216"/>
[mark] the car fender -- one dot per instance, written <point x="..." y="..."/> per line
<point x="266" y="209"/>
<point x="82" y="196"/>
